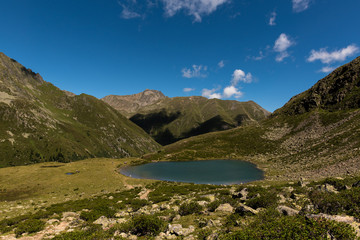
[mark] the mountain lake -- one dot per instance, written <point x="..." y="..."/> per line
<point x="215" y="172"/>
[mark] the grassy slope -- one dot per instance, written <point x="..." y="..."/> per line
<point x="286" y="146"/>
<point x="42" y="123"/>
<point x="49" y="183"/>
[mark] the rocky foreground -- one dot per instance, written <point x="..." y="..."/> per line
<point x="316" y="210"/>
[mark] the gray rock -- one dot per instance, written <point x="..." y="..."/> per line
<point x="328" y="188"/>
<point x="214" y="223"/>
<point x="213" y="236"/>
<point x="105" y="222"/>
<point x="287" y="211"/>
<point x="225" y="208"/>
<point x="164" y="207"/>
<point x="202" y="203"/>
<point x="243" y="209"/>
<point x="178" y="230"/>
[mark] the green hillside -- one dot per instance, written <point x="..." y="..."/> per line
<point x="39" y="122"/>
<point x="168" y="120"/>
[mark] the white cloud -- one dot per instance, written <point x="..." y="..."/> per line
<point x="336" y="56"/>
<point x="272" y="19"/>
<point x="281" y="56"/>
<point x="195" y="8"/>
<point x="232" y="91"/>
<point x="260" y="57"/>
<point x="240" y="76"/>
<point x="327" y="69"/>
<point x="188" y="89"/>
<point x="281" y="46"/>
<point x="221" y="64"/>
<point x="197" y="71"/>
<point x="127" y="9"/>
<point x="282" y="43"/>
<point x="300" y="5"/>
<point x="211" y="93"/>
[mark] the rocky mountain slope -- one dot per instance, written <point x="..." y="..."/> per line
<point x="39" y="122"/>
<point x="128" y="105"/>
<point x="340" y="90"/>
<point x="168" y="120"/>
<point x="315" y="134"/>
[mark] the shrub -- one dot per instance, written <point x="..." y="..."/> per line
<point x="213" y="205"/>
<point x="143" y="225"/>
<point x="98" y="210"/>
<point x="91" y="232"/>
<point x="293" y="228"/>
<point x="190" y="208"/>
<point x="136" y="204"/>
<point x="264" y="200"/>
<point x="29" y="226"/>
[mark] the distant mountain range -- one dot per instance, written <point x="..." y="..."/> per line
<point x="315" y="134"/>
<point x="39" y="122"/>
<point x="168" y="120"/>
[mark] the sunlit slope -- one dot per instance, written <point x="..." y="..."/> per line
<point x="39" y="122"/>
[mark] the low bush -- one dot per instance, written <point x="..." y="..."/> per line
<point x="91" y="232"/>
<point x="213" y="206"/>
<point x="143" y="225"/>
<point x="190" y="208"/>
<point x="293" y="228"/>
<point x="264" y="199"/>
<point x="29" y="226"/>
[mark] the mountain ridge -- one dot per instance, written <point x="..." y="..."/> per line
<point x="168" y="120"/>
<point x="330" y="93"/>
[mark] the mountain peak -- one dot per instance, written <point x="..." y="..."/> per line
<point x="129" y="104"/>
<point x="340" y="90"/>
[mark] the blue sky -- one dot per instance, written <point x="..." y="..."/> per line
<point x="261" y="50"/>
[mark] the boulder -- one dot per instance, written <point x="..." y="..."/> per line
<point x="328" y="188"/>
<point x="214" y="223"/>
<point x="287" y="211"/>
<point x="202" y="203"/>
<point x="104" y="221"/>
<point x="243" y="210"/>
<point x="225" y="208"/>
<point x="178" y="230"/>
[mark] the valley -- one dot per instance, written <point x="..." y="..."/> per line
<point x="61" y="154"/>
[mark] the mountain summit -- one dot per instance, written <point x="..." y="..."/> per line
<point x="130" y="104"/>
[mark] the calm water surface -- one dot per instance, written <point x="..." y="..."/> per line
<point x="201" y="172"/>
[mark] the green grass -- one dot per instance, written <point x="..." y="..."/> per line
<point x="42" y="184"/>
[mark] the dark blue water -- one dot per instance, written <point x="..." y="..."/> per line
<point x="200" y="172"/>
